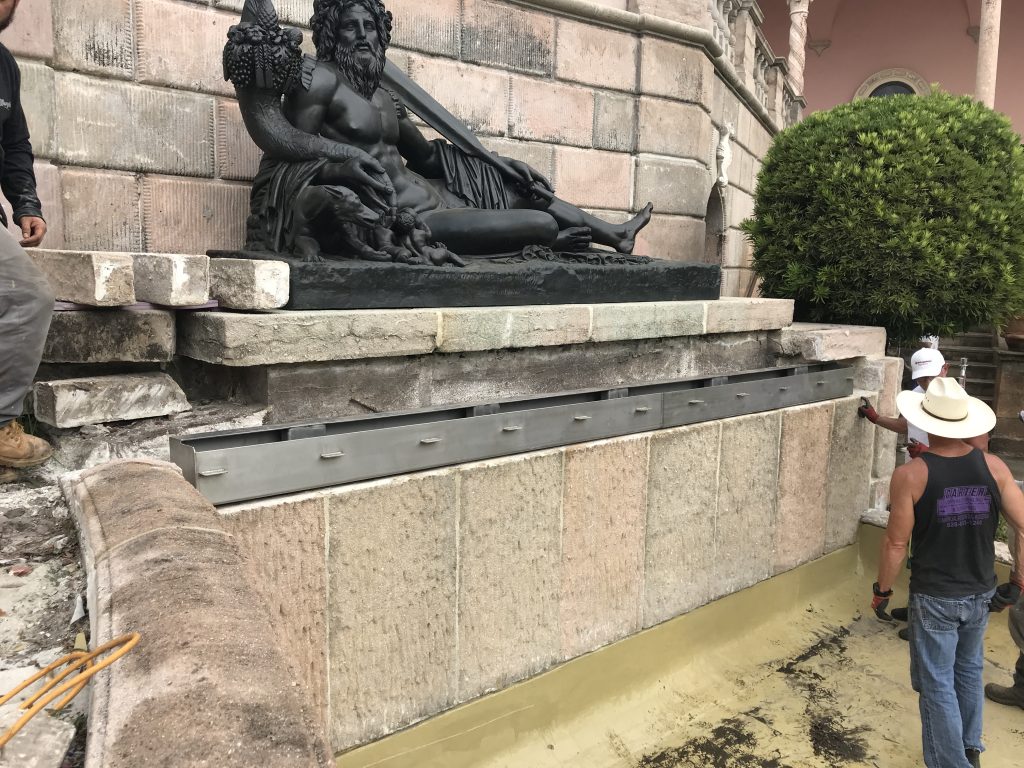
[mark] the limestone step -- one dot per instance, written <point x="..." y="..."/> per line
<point x="171" y="279"/>
<point x="249" y="283"/>
<point x="247" y="339"/>
<point x="100" y="399"/>
<point x="94" y="278"/>
<point x="110" y="335"/>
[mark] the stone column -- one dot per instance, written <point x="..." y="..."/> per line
<point x="988" y="52"/>
<point x="797" y="42"/>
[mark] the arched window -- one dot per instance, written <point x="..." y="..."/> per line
<point x="890" y="82"/>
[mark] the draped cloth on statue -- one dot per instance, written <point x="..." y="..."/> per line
<point x="478" y="184"/>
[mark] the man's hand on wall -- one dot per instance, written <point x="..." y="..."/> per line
<point x="33" y="229"/>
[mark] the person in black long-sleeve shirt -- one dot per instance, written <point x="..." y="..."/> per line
<point x="26" y="301"/>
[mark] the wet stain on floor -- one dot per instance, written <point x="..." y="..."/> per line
<point x="730" y="744"/>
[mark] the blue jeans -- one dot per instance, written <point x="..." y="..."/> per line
<point x="946" y="657"/>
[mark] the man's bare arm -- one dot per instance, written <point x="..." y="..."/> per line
<point x="901" y="523"/>
<point x="896" y="424"/>
<point x="1013" y="510"/>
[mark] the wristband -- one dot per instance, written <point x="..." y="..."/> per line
<point x="878" y="591"/>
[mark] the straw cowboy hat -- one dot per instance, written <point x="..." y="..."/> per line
<point x="945" y="410"/>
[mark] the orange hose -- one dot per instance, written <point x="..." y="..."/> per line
<point x="41" y="673"/>
<point x="127" y="642"/>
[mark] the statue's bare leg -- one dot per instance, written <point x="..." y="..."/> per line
<point x="476" y="232"/>
<point x="621" y="237"/>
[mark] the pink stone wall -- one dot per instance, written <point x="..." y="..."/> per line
<point x="927" y="36"/>
<point x="140" y="145"/>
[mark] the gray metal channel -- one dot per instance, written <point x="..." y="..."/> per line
<point x="240" y="465"/>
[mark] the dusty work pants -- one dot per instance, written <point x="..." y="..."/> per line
<point x="26" y="305"/>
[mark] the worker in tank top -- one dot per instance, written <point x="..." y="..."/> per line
<point x="947" y="504"/>
<point x="925" y="365"/>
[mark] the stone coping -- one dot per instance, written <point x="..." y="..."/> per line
<point x="159" y="563"/>
<point x="249" y="339"/>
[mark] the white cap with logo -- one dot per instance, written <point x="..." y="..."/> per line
<point x="926" y="362"/>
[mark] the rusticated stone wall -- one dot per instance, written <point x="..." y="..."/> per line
<point x="409" y="595"/>
<point x="140" y="145"/>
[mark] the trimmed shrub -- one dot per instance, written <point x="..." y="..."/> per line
<point x="905" y="212"/>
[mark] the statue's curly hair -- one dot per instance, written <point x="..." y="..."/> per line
<point x="326" y="14"/>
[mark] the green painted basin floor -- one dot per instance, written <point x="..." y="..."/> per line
<point x="794" y="672"/>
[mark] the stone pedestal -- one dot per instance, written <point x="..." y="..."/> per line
<point x="1009" y="400"/>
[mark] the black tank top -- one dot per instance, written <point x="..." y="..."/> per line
<point x="955" y="527"/>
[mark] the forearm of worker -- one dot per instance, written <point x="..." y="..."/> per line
<point x="896" y="424"/>
<point x="897" y="532"/>
<point x="1013" y="510"/>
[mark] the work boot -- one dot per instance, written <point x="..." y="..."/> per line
<point x="900" y="614"/>
<point x="904" y="634"/>
<point x="973" y="757"/>
<point x="1010" y="695"/>
<point x="7" y="475"/>
<point x="20" y="450"/>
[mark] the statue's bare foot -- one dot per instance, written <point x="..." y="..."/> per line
<point x="631" y="227"/>
<point x="307" y="249"/>
<point x="572" y="240"/>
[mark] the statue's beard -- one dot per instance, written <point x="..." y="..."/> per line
<point x="362" y="73"/>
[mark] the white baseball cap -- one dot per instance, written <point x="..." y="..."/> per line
<point x="926" y="362"/>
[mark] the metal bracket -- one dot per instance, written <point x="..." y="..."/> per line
<point x="253" y="463"/>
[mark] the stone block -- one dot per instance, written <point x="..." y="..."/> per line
<point x="543" y="111"/>
<point x="594" y="179"/>
<point x="237" y="156"/>
<point x="102" y="210"/>
<point x="478" y="97"/>
<point x="670" y="128"/>
<point x="392" y="583"/>
<point x="31" y="32"/>
<point x="96" y="279"/>
<point x="284" y="544"/>
<point x="741" y="207"/>
<point x="729" y="315"/>
<point x="747" y="504"/>
<point x="291" y="11"/>
<point x="738" y="283"/>
<point x="674" y="186"/>
<point x="849" y="474"/>
<point x="37" y="99"/>
<point x="43" y="741"/>
<point x="803" y="463"/>
<point x="672" y="237"/>
<point x="302" y="337"/>
<point x="738" y="251"/>
<point x="69" y="403"/>
<point x="692" y="12"/>
<point x="105" y="336"/>
<point x="883" y="375"/>
<point x="538" y="156"/>
<point x="604" y="515"/>
<point x="682" y="500"/>
<point x="725" y="104"/>
<point x="131" y="127"/>
<point x="345" y="388"/>
<point x="186" y="216"/>
<point x="96" y="37"/>
<point x="171" y="279"/>
<point x="648" y="320"/>
<point x="879" y="493"/>
<point x="614" y="121"/>
<point x="509" y="569"/>
<point x="177" y="42"/>
<point x="495" y="33"/>
<point x="675" y="71"/>
<point x="249" y="283"/>
<point x="884" y="461"/>
<point x="48" y="188"/>
<point x="471" y="329"/>
<point x="433" y="27"/>
<point x="596" y="55"/>
<point x="822" y="341"/>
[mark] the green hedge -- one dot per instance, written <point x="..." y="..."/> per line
<point x="905" y="212"/>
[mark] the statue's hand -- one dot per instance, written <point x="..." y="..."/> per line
<point x="537" y="185"/>
<point x="367" y="178"/>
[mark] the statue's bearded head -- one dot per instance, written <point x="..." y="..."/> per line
<point x="354" y="35"/>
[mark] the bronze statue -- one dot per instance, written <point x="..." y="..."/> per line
<point x="346" y="174"/>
